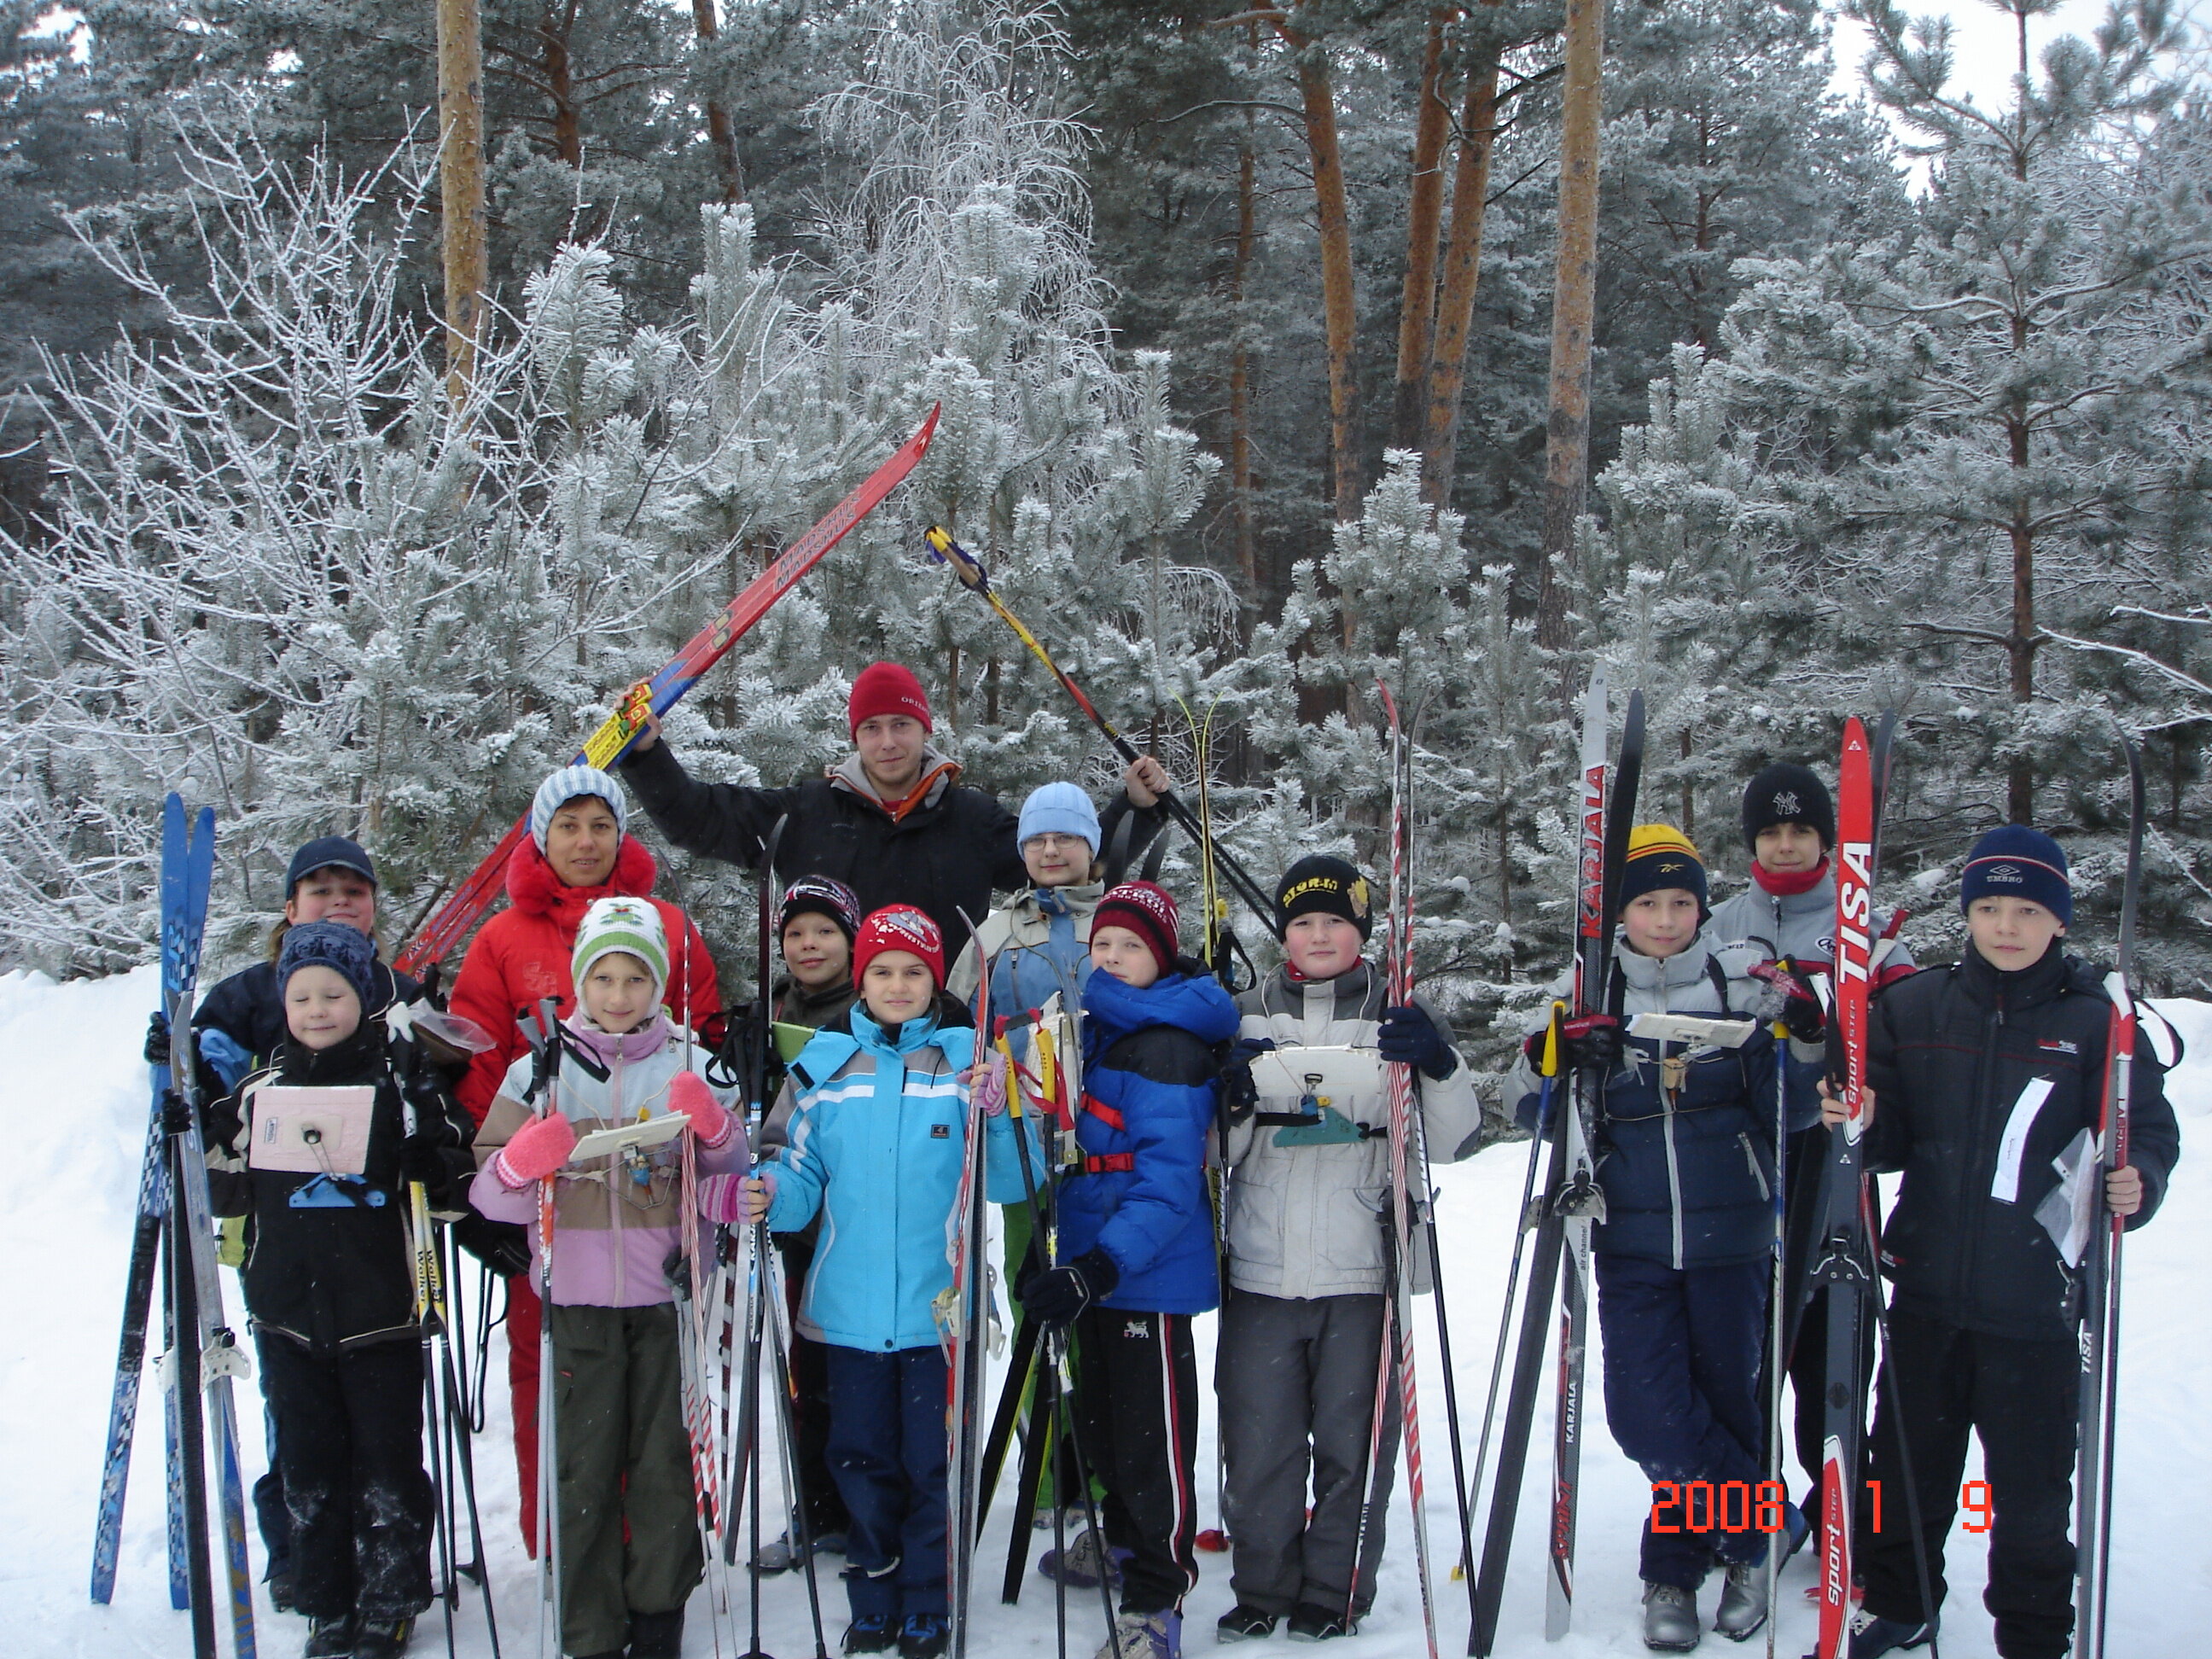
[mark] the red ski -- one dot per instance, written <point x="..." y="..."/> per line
<point x="458" y="914"/>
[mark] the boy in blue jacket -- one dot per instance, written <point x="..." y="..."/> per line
<point x="876" y="1147"/>
<point x="1136" y="1235"/>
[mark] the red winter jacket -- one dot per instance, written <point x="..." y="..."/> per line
<point x="522" y="955"/>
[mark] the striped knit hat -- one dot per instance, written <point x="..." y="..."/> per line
<point x="1661" y="856"/>
<point x="2013" y="861"/>
<point x="631" y="926"/>
<point x="565" y="786"/>
<point x="1147" y="910"/>
<point x="899" y="928"/>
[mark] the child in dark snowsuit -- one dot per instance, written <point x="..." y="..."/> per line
<point x="1684" y="1147"/>
<point x="330" y="1289"/>
<point x="1982" y="1074"/>
<point x="1137" y="1257"/>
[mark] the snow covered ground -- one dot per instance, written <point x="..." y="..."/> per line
<point x="73" y="1100"/>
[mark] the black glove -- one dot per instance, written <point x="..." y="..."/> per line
<point x="176" y="1114"/>
<point x="422" y="1158"/>
<point x="1408" y="1036"/>
<point x="1591" y="1043"/>
<point x="1238" y="1092"/>
<point x="157" y="1039"/>
<point x="501" y="1246"/>
<point x="1804" y="1018"/>
<point x="1058" y="1294"/>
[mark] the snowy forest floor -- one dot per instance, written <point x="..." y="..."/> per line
<point x="73" y="1090"/>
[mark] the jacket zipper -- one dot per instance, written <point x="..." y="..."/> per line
<point x="1666" y="1128"/>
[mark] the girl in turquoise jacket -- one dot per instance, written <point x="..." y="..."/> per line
<point x="877" y="1145"/>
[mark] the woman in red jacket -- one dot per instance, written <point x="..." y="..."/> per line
<point x="578" y="851"/>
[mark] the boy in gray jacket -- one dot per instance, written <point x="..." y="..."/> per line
<point x="1308" y="1206"/>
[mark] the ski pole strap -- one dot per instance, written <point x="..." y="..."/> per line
<point x="1099" y="1109"/>
<point x="1106" y="1163"/>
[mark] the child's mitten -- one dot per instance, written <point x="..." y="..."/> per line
<point x="539" y="1147"/>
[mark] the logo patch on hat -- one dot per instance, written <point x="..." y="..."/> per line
<point x="2008" y="873"/>
<point x="913" y="927"/>
<point x="1786" y="806"/>
<point x="1358" y="897"/>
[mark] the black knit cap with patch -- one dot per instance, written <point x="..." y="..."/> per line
<point x="1783" y="792"/>
<point x="1322" y="882"/>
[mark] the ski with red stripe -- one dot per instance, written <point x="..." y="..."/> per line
<point x="2100" y="1332"/>
<point x="963" y="1310"/>
<point x="657" y="696"/>
<point x="1843" y="1268"/>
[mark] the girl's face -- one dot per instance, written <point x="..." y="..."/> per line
<point x="1661" y="923"/>
<point x="333" y="894"/>
<point x="1788" y="849"/>
<point x="1320" y="946"/>
<point x="1123" y="954"/>
<point x="816" y="951"/>
<point x="2012" y="933"/>
<point x="581" y="842"/>
<point x="1054" y="859"/>
<point x="619" y="992"/>
<point x="897" y="986"/>
<point x="321" y="1009"/>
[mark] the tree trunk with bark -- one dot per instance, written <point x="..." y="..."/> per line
<point x="1462" y="268"/>
<point x="719" y="136"/>
<point x="461" y="188"/>
<point x="1424" y="229"/>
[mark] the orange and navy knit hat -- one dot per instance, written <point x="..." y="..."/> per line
<point x="899" y="928"/>
<point x="1661" y="856"/>
<point x="1148" y="911"/>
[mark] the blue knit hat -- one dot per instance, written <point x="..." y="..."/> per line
<point x="1061" y="809"/>
<point x="565" y="786"/>
<point x="2014" y="861"/>
<point x="346" y="951"/>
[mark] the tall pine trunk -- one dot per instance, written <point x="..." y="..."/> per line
<point x="1424" y="229"/>
<point x="1463" y="270"/>
<point x="461" y="188"/>
<point x="1574" y="293"/>
<point x="719" y="137"/>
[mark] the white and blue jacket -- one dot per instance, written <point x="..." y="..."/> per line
<point x="876" y="1145"/>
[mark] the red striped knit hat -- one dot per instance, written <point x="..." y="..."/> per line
<point x="1146" y="910"/>
<point x="899" y="928"/>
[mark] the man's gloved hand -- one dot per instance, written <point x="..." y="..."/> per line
<point x="1058" y="1294"/>
<point x="1408" y="1036"/>
<point x="501" y="1246"/>
<point x="1238" y="1092"/>
<point x="1592" y="1042"/>
<point x="157" y="1039"/>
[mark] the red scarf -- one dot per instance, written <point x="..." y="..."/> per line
<point x="1789" y="884"/>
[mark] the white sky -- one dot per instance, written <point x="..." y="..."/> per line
<point x="1984" y="49"/>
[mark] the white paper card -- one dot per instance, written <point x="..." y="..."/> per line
<point x="1331" y="1072"/>
<point x="602" y="1143"/>
<point x="310" y="1131"/>
<point x="2005" y="1186"/>
<point x="1693" y="1028"/>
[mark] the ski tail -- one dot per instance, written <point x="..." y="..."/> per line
<point x="450" y="924"/>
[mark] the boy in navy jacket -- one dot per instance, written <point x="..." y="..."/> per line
<point x="1136" y="1234"/>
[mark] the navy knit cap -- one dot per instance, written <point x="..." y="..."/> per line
<point x="1321" y="882"/>
<point x="347" y="951"/>
<point x="823" y="896"/>
<point x="2014" y="861"/>
<point x="328" y="853"/>
<point x="1786" y="793"/>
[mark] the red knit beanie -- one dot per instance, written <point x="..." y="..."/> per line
<point x="1147" y="911"/>
<point x="886" y="687"/>
<point x="899" y="928"/>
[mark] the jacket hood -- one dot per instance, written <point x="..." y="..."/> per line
<point x="1685" y="967"/>
<point x="1351" y="984"/>
<point x="534" y="889"/>
<point x="937" y="776"/>
<point x="1191" y="1002"/>
<point x="608" y="1047"/>
<point x="2023" y="988"/>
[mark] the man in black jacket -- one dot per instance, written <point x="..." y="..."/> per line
<point x="891" y="820"/>
<point x="1984" y="1072"/>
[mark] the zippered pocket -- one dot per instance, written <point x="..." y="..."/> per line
<point x="1751" y="1158"/>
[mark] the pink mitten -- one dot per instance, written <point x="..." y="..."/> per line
<point x="722" y="1197"/>
<point x="710" y="1120"/>
<point x="989" y="1087"/>
<point x="539" y="1147"/>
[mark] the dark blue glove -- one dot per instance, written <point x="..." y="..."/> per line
<point x="1409" y="1037"/>
<point x="157" y="1039"/>
<point x="1058" y="1294"/>
<point x="1238" y="1092"/>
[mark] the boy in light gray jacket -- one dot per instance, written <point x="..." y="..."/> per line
<point x="1307" y="1212"/>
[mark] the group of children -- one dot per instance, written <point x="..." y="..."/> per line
<point x="1206" y="1163"/>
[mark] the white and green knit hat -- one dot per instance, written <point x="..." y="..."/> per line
<point x="631" y="926"/>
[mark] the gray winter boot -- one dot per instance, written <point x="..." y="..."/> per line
<point x="1670" y="1618"/>
<point x="1742" y="1611"/>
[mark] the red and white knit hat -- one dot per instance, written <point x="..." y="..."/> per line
<point x="1146" y="910"/>
<point x="899" y="928"/>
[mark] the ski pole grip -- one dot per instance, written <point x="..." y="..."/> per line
<point x="1554" y="1036"/>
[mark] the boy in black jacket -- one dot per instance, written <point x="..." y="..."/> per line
<point x="330" y="1289"/>
<point x="1983" y="1072"/>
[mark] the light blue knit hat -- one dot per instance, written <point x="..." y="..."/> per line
<point x="1061" y="809"/>
<point x="565" y="786"/>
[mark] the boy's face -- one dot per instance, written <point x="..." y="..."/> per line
<point x="2012" y="932"/>
<point x="896" y="987"/>
<point x="1788" y="849"/>
<point x="1123" y="954"/>
<point x="581" y="842"/>
<point x="1661" y="923"/>
<point x="816" y="951"/>
<point x="1053" y="860"/>
<point x="891" y="750"/>
<point x="619" y="992"/>
<point x="333" y="894"/>
<point x="1320" y="945"/>
<point x="321" y="1009"/>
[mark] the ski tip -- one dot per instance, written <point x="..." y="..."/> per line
<point x="928" y="429"/>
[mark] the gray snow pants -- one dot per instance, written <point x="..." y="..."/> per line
<point x="1296" y="1382"/>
